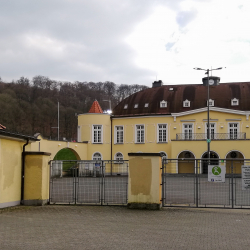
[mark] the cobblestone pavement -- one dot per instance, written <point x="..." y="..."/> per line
<point x="110" y="227"/>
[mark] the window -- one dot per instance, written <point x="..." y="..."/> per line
<point x="136" y="106"/>
<point x="163" y="104"/>
<point x="125" y="106"/>
<point x="162" y="133"/>
<point x="118" y="134"/>
<point x="188" y="131"/>
<point x="234" y="102"/>
<point x="97" y="134"/>
<point x="119" y="157"/>
<point x="186" y="103"/>
<point x="97" y="156"/>
<point x="211" y="103"/>
<point x="139" y="133"/>
<point x="233" y="130"/>
<point x="211" y="131"/>
<point x="146" y="105"/>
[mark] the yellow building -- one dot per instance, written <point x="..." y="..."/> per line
<point x="172" y="119"/>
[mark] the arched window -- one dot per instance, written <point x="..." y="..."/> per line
<point x="119" y="156"/>
<point x="97" y="156"/>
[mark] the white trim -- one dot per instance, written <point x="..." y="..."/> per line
<point x="235" y="100"/>
<point x="158" y="124"/>
<point x="194" y="111"/>
<point x="115" y="134"/>
<point x="162" y="104"/>
<point x="96" y="153"/>
<point x="78" y="133"/>
<point x="215" y="128"/>
<point x="212" y="103"/>
<point x="144" y="135"/>
<point x="186" y="102"/>
<point x="238" y="127"/>
<point x="93" y="133"/>
<point x="116" y="156"/>
<point x="188" y="123"/>
<point x="141" y="116"/>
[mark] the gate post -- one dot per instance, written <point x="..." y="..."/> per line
<point x="144" y="184"/>
<point x="36" y="178"/>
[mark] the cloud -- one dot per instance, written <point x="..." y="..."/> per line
<point x="183" y="18"/>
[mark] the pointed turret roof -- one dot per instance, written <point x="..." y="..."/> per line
<point x="95" y="108"/>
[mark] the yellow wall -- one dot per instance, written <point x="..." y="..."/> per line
<point x="44" y="145"/>
<point x="85" y="122"/>
<point x="10" y="171"/>
<point x="144" y="181"/>
<point x="36" y="181"/>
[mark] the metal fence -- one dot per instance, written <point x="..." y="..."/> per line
<point x="213" y="136"/>
<point x="188" y="182"/>
<point x="89" y="182"/>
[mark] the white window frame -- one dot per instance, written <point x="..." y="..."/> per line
<point x="190" y="135"/>
<point x="97" y="130"/>
<point x="118" y="158"/>
<point x="146" y="105"/>
<point x="163" y="104"/>
<point x="212" y="129"/>
<point x="141" y="131"/>
<point x="232" y="135"/>
<point x="95" y="156"/>
<point x="186" y="103"/>
<point x="117" y="137"/>
<point x="211" y="103"/>
<point x="125" y="106"/>
<point x="234" y="100"/>
<point x="159" y="140"/>
<point x="136" y="106"/>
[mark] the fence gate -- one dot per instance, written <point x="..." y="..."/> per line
<point x="185" y="183"/>
<point x="89" y="182"/>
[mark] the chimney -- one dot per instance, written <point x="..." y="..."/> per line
<point x="157" y="84"/>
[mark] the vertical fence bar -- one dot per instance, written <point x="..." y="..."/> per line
<point x="196" y="176"/>
<point x="102" y="189"/>
<point x="232" y="183"/>
<point x="162" y="182"/>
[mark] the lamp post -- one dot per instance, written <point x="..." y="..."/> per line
<point x="208" y="105"/>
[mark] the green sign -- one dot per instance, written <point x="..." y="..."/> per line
<point x="216" y="170"/>
<point x="208" y="140"/>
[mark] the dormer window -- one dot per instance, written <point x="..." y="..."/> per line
<point x="146" y="105"/>
<point x="136" y="106"/>
<point x="186" y="103"/>
<point x="163" y="104"/>
<point x="211" y="103"/>
<point x="234" y="102"/>
<point x="125" y="106"/>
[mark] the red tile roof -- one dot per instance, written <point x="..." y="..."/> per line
<point x="2" y="127"/>
<point x="95" y="108"/>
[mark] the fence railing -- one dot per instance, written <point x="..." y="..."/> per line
<point x="206" y="183"/>
<point x="213" y="136"/>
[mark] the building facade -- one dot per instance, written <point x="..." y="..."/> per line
<point x="173" y="120"/>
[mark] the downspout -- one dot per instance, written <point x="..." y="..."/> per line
<point x="111" y="149"/>
<point x="22" y="174"/>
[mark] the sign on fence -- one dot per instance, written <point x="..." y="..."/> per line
<point x="216" y="173"/>
<point x="245" y="177"/>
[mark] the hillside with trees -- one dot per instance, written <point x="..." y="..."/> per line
<point x="31" y="106"/>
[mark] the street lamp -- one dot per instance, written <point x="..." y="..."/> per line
<point x="208" y="104"/>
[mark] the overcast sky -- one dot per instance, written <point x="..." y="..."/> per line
<point x="126" y="42"/>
